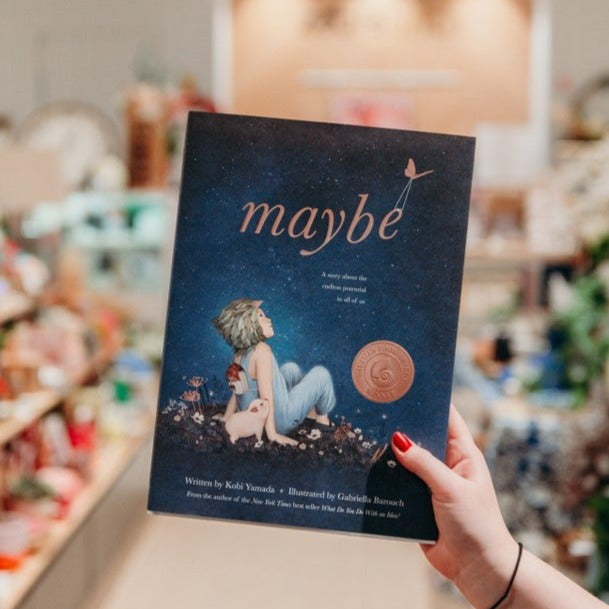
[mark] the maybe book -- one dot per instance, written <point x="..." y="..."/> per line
<point x="312" y="312"/>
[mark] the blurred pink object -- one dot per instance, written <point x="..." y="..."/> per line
<point x="14" y="534"/>
<point x="65" y="482"/>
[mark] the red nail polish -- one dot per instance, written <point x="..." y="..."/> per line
<point x="401" y="441"/>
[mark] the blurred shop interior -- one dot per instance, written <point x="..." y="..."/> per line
<point x="93" y="108"/>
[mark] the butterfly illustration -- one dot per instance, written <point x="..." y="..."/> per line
<point x="411" y="173"/>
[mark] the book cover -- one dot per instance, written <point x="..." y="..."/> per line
<point x="312" y="312"/>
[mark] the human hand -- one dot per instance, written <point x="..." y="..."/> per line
<point x="474" y="547"/>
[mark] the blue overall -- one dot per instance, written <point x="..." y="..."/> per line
<point x="294" y="393"/>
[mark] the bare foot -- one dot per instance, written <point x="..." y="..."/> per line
<point x="284" y="440"/>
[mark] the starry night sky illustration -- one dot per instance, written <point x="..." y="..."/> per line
<point x="413" y="281"/>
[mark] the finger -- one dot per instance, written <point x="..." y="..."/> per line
<point x="438" y="477"/>
<point x="461" y="445"/>
<point x="458" y="429"/>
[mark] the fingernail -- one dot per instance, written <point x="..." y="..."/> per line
<point x="401" y="441"/>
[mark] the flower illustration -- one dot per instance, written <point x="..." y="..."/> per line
<point x="302" y="446"/>
<point x="343" y="431"/>
<point x="198" y="418"/>
<point x="357" y="430"/>
<point x="196" y="381"/>
<point x="366" y="445"/>
<point x="177" y="418"/>
<point x="302" y="432"/>
<point x="321" y="453"/>
<point x="315" y="434"/>
<point x="200" y="384"/>
<point x="391" y="463"/>
<point x="193" y="397"/>
<point x="259" y="444"/>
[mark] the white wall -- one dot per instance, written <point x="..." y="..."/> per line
<point x="90" y="49"/>
<point x="581" y="41"/>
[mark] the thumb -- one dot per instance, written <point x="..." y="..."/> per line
<point x="438" y="477"/>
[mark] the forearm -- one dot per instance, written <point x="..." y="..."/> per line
<point x="231" y="407"/>
<point x="483" y="580"/>
<point x="269" y="425"/>
<point x="537" y="585"/>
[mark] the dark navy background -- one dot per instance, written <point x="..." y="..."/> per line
<point x="414" y="280"/>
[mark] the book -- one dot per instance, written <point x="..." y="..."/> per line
<point x="313" y="311"/>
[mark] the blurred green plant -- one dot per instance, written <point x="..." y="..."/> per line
<point x="585" y="326"/>
<point x="600" y="506"/>
<point x="599" y="251"/>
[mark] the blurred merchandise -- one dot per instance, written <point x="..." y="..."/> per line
<point x="79" y="133"/>
<point x="528" y="464"/>
<point x="109" y="174"/>
<point x="21" y="273"/>
<point x="575" y="548"/>
<point x="589" y="116"/>
<point x="587" y="486"/>
<point x="534" y="349"/>
<point x="180" y="102"/>
<point x="14" y="540"/>
<point x="580" y="183"/>
<point x="60" y="343"/>
<point x="114" y="242"/>
<point x="146" y="118"/>
<point x="374" y="110"/>
<point x="129" y="388"/>
<point x="550" y="220"/>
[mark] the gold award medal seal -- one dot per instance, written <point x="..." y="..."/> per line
<point x="382" y="371"/>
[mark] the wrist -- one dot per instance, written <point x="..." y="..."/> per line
<point x="484" y="580"/>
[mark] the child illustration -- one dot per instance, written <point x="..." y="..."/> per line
<point x="291" y="395"/>
<point x="236" y="379"/>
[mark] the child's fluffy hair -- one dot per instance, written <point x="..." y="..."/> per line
<point x="238" y="324"/>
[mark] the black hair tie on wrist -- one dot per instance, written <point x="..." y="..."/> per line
<point x="511" y="582"/>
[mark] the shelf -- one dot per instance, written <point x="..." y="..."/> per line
<point x="26" y="410"/>
<point x="120" y="243"/>
<point x="14" y="305"/>
<point x="29" y="407"/>
<point x="110" y="462"/>
<point x="512" y="252"/>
